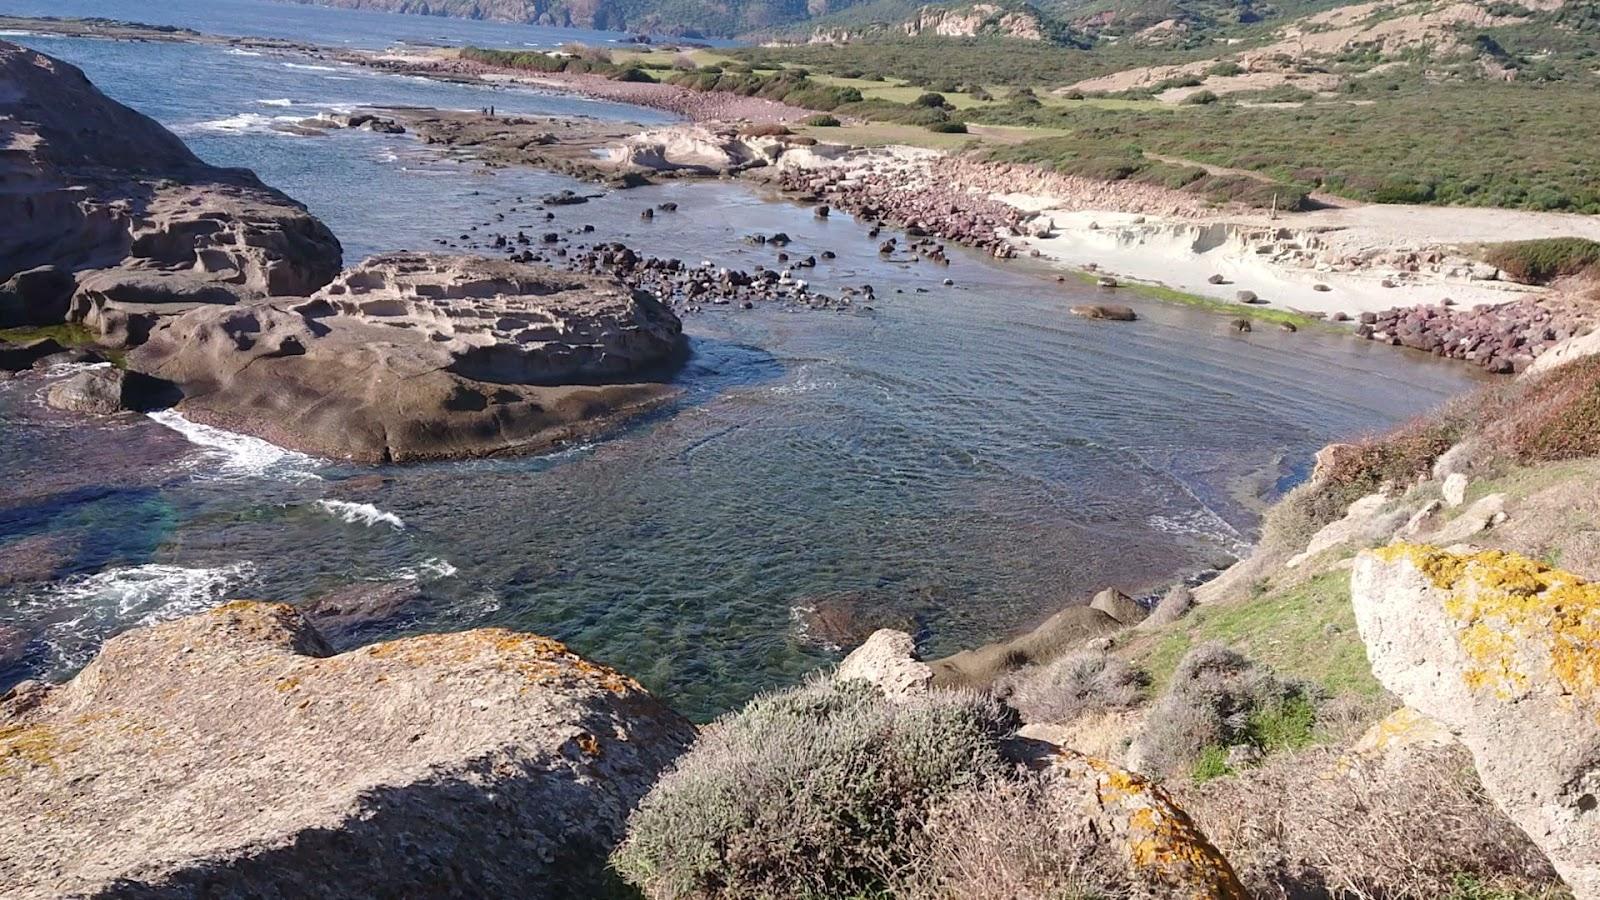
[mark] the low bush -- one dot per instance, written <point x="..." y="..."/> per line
<point x="948" y="127"/>
<point x="1308" y="825"/>
<point x="1007" y="840"/>
<point x="818" y="791"/>
<point x="930" y="99"/>
<point x="823" y="120"/>
<point x="1225" y="69"/>
<point x="1076" y="684"/>
<point x="1218" y="699"/>
<point x="1553" y="417"/>
<point x="632" y="74"/>
<point x="1543" y="261"/>
<point x="1201" y="98"/>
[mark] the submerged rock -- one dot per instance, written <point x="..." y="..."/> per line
<point x="230" y="754"/>
<point x="1109" y="311"/>
<point x="98" y="190"/>
<point x="421" y="356"/>
<point x="1505" y="652"/>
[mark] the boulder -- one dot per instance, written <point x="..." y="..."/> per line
<point x="97" y="391"/>
<point x="1502" y="650"/>
<point x="94" y="186"/>
<point x="1065" y="631"/>
<point x="1164" y="850"/>
<point x="18" y="355"/>
<point x="1111" y="311"/>
<point x="1174" y="605"/>
<point x="889" y="660"/>
<point x="422" y="356"/>
<point x="346" y="611"/>
<point x="231" y="753"/>
<point x="1119" y="606"/>
<point x="1454" y="489"/>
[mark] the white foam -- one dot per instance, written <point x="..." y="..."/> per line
<point x="73" y="368"/>
<point x="281" y="101"/>
<point x="239" y="456"/>
<point x="237" y="124"/>
<point x="144" y="595"/>
<point x="10" y="34"/>
<point x="309" y="68"/>
<point x="362" y="513"/>
<point x="238" y="52"/>
<point x="1200" y="523"/>
<point x="430" y="569"/>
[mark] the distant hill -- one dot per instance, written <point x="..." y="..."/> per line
<point x="710" y="18"/>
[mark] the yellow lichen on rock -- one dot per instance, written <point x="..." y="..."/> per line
<point x="1163" y="843"/>
<point x="1519" y="619"/>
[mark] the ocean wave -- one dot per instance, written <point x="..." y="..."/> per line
<point x="310" y="68"/>
<point x="430" y="569"/>
<point x="243" y="123"/>
<point x="362" y="513"/>
<point x="281" y="101"/>
<point x="85" y="609"/>
<point x="235" y="51"/>
<point x="240" y="456"/>
<point x="22" y="34"/>
<point x="1200" y="523"/>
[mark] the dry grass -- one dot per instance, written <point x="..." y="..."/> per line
<point x="1074" y="685"/>
<point x="1417" y="827"/>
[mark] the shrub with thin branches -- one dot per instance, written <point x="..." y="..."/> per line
<point x="817" y="791"/>
<point x="1076" y="684"/>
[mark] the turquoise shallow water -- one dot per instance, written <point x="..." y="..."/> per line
<point x="962" y="459"/>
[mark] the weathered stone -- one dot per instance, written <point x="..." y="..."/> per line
<point x="1454" y="489"/>
<point x="1174" y="605"/>
<point x="1505" y="652"/>
<point x="1162" y="846"/>
<point x="1119" y="606"/>
<point x="418" y="356"/>
<point x="346" y="611"/>
<point x="889" y="660"/>
<point x="96" y="186"/>
<point x="229" y="754"/>
<point x="95" y="391"/>
<point x="1109" y="311"/>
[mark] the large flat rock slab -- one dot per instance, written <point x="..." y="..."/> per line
<point x="232" y="754"/>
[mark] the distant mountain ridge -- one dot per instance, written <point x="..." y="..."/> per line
<point x="689" y="18"/>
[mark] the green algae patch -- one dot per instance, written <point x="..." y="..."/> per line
<point x="1209" y="304"/>
<point x="1515" y="617"/>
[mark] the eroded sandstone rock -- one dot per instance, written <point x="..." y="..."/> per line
<point x="889" y="660"/>
<point x="97" y="189"/>
<point x="422" y="356"/>
<point x="1505" y="652"/>
<point x="229" y="754"/>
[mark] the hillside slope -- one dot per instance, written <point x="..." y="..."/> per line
<point x="723" y="18"/>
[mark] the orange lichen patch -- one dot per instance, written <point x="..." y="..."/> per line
<point x="537" y="659"/>
<point x="28" y="746"/>
<point x="1518" y="616"/>
<point x="1162" y="840"/>
<point x="285" y="685"/>
<point x="589" y="744"/>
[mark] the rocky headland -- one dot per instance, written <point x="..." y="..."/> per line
<point x="108" y="219"/>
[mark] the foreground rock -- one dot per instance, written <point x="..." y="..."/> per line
<point x="1505" y="652"/>
<point x="417" y="356"/>
<point x="229" y="754"/>
<point x="108" y="219"/>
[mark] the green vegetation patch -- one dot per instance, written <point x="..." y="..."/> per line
<point x="1543" y="261"/>
<point x="1307" y="631"/>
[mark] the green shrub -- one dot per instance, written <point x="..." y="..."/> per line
<point x="1201" y="98"/>
<point x="930" y="99"/>
<point x="1218" y="698"/>
<point x="1211" y="763"/>
<point x="632" y="74"/>
<point x="1543" y="261"/>
<point x="822" y="120"/>
<point x="816" y="791"/>
<point x="1226" y="69"/>
<point x="948" y="127"/>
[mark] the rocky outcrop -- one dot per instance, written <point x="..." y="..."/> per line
<point x="974" y="20"/>
<point x="1505" y="652"/>
<point x="888" y="659"/>
<point x="419" y="356"/>
<point x="1505" y="338"/>
<point x="231" y="754"/>
<point x="108" y="219"/>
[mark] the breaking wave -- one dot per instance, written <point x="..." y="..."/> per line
<point x="239" y="456"/>
<point x="361" y="513"/>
